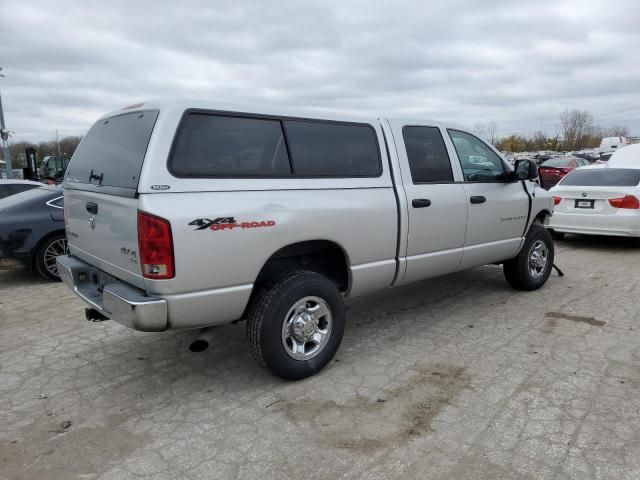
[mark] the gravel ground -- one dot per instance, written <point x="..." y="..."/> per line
<point x="452" y="378"/>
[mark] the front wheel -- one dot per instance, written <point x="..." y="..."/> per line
<point x="295" y="327"/>
<point x="532" y="267"/>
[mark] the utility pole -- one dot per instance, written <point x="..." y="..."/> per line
<point x="4" y="133"/>
<point x="58" y="144"/>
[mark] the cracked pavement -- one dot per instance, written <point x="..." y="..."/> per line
<point x="457" y="377"/>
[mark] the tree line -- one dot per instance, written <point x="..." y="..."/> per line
<point x="576" y="131"/>
<point x="64" y="146"/>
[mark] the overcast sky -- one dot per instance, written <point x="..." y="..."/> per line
<point x="466" y="61"/>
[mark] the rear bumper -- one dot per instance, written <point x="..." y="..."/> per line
<point x="119" y="301"/>
<point x="617" y="224"/>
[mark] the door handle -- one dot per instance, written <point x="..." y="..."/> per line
<point x="420" y="202"/>
<point x="92" y="207"/>
<point x="478" y="199"/>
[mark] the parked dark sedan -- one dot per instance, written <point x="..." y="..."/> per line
<point x="11" y="187"/>
<point x="32" y="229"/>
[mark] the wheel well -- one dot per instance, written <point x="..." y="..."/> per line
<point x="320" y="256"/>
<point x="542" y="218"/>
<point x="34" y="251"/>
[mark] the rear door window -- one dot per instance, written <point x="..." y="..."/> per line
<point x="320" y="149"/>
<point x="428" y="158"/>
<point x="209" y="145"/>
<point x="112" y="152"/>
<point x="603" y="177"/>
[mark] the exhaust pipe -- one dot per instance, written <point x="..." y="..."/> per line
<point x="94" y="315"/>
<point x="202" y="341"/>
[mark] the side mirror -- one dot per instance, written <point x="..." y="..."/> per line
<point x="524" y="170"/>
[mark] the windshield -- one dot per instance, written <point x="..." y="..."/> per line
<point x="111" y="154"/>
<point x="54" y="167"/>
<point x="557" y="162"/>
<point x="603" y="177"/>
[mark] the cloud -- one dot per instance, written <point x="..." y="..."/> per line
<point x="520" y="64"/>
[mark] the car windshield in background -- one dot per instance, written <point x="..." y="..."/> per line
<point x="603" y="177"/>
<point x="111" y="154"/>
<point x="557" y="162"/>
<point x="38" y="192"/>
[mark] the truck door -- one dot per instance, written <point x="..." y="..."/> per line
<point x="498" y="208"/>
<point x="437" y="205"/>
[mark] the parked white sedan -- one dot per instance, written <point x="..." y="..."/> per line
<point x="598" y="200"/>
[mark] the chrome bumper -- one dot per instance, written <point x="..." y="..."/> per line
<point x="119" y="301"/>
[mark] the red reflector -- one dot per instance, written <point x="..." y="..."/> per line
<point x="155" y="244"/>
<point x="556" y="200"/>
<point x="628" y="201"/>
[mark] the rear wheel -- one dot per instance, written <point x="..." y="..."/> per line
<point x="295" y="326"/>
<point x="46" y="256"/>
<point x="532" y="267"/>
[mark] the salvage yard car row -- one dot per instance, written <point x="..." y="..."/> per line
<point x="600" y="199"/>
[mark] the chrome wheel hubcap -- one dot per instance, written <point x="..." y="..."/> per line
<point x="306" y="328"/>
<point x="56" y="248"/>
<point x="538" y="258"/>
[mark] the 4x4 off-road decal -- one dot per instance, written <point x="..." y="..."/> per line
<point x="228" y="223"/>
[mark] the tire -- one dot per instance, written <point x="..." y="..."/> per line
<point x="527" y="271"/>
<point x="271" y="338"/>
<point x="556" y="235"/>
<point x="55" y="244"/>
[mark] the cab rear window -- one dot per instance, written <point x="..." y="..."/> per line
<point x="603" y="177"/>
<point x="112" y="152"/>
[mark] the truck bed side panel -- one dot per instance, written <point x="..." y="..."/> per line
<point x="210" y="256"/>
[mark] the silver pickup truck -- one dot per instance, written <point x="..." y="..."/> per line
<point x="185" y="214"/>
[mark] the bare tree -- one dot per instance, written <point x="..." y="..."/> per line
<point x="576" y="125"/>
<point x="539" y="140"/>
<point x="616" y="131"/>
<point x="492" y="127"/>
<point x="68" y="145"/>
<point x="479" y="129"/>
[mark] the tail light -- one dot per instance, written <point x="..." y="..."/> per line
<point x="155" y="245"/>
<point x="628" y="201"/>
<point x="556" y="200"/>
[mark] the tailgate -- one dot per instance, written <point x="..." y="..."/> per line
<point x="100" y="189"/>
<point x="102" y="230"/>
